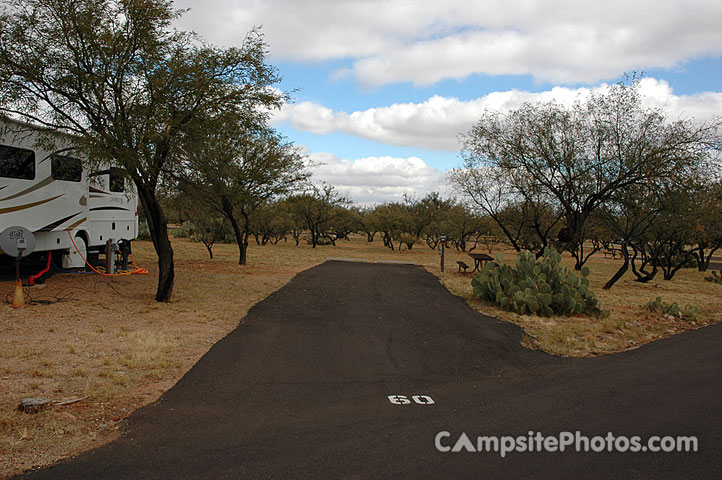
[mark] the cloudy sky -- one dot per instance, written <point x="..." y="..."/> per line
<point x="383" y="88"/>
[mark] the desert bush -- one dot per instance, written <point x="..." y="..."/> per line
<point x="689" y="312"/>
<point x="185" y="230"/>
<point x="541" y="286"/>
<point x="143" y="230"/>
<point x="715" y="277"/>
<point x="322" y="240"/>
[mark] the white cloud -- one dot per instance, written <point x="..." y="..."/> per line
<point x="562" y="41"/>
<point x="437" y="122"/>
<point x="377" y="179"/>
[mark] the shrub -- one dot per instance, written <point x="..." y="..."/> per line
<point x="715" y="278"/>
<point x="185" y="230"/>
<point x="540" y="286"/>
<point x="689" y="312"/>
<point x="322" y="240"/>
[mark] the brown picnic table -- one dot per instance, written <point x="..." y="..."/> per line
<point x="479" y="260"/>
<point x="613" y="251"/>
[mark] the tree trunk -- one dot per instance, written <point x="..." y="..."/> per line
<point x="622" y="270"/>
<point x="242" y="246"/>
<point x="209" y="247"/>
<point x="580" y="258"/>
<point x="642" y="275"/>
<point x="158" y="226"/>
<point x="243" y="258"/>
<point x="702" y="260"/>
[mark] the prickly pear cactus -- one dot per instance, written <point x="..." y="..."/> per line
<point x="541" y="286"/>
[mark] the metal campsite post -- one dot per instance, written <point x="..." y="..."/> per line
<point x="109" y="256"/>
<point x="442" y="252"/>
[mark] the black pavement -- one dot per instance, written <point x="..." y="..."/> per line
<point x="334" y="376"/>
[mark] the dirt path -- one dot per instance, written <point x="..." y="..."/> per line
<point x="301" y="389"/>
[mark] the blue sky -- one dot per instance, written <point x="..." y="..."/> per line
<point x="384" y="87"/>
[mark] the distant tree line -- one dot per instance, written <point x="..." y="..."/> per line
<point x="605" y="173"/>
<point x="319" y="215"/>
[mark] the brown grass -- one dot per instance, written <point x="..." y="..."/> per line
<point x="107" y="338"/>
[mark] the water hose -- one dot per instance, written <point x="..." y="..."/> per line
<point x="32" y="278"/>
<point x="137" y="271"/>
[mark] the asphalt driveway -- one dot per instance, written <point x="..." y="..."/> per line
<point x="352" y="370"/>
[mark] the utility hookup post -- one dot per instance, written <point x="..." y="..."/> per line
<point x="442" y="252"/>
<point x="18" y="296"/>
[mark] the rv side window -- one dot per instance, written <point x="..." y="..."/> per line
<point x="116" y="180"/>
<point x="17" y="163"/>
<point x="66" y="168"/>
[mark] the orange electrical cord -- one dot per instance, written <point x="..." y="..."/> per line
<point x="137" y="271"/>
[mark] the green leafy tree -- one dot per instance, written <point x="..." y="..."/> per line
<point x="408" y="222"/>
<point x="458" y="223"/>
<point x="294" y="223"/>
<point x="708" y="224"/>
<point x="391" y="219"/>
<point x="366" y="222"/>
<point x="317" y="208"/>
<point x="235" y="171"/>
<point x="629" y="215"/>
<point x="134" y="90"/>
<point x="209" y="228"/>
<point x="270" y="223"/>
<point x="344" y="223"/>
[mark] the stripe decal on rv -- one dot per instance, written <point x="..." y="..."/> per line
<point x="28" y="205"/>
<point x="53" y="225"/>
<point x="76" y="223"/>
<point x="109" y="208"/>
<point x="38" y="185"/>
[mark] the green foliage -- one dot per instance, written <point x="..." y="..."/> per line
<point x="317" y="208"/>
<point x="689" y="312"/>
<point x="322" y="240"/>
<point x="541" y="286"/>
<point x="715" y="277"/>
<point x="406" y="239"/>
<point x="202" y="230"/>
<point x="211" y="230"/>
<point x="185" y="230"/>
<point x="143" y="231"/>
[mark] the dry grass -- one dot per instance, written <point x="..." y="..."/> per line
<point x="108" y="339"/>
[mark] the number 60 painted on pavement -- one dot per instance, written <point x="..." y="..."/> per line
<point x="404" y="400"/>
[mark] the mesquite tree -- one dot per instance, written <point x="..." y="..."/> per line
<point x="131" y="88"/>
<point x="580" y="156"/>
<point x="236" y="170"/>
<point x="316" y="209"/>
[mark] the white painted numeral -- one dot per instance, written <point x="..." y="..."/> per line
<point x="404" y="400"/>
<point x="399" y="400"/>
<point x="423" y="399"/>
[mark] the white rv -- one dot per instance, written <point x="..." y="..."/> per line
<point x="47" y="189"/>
